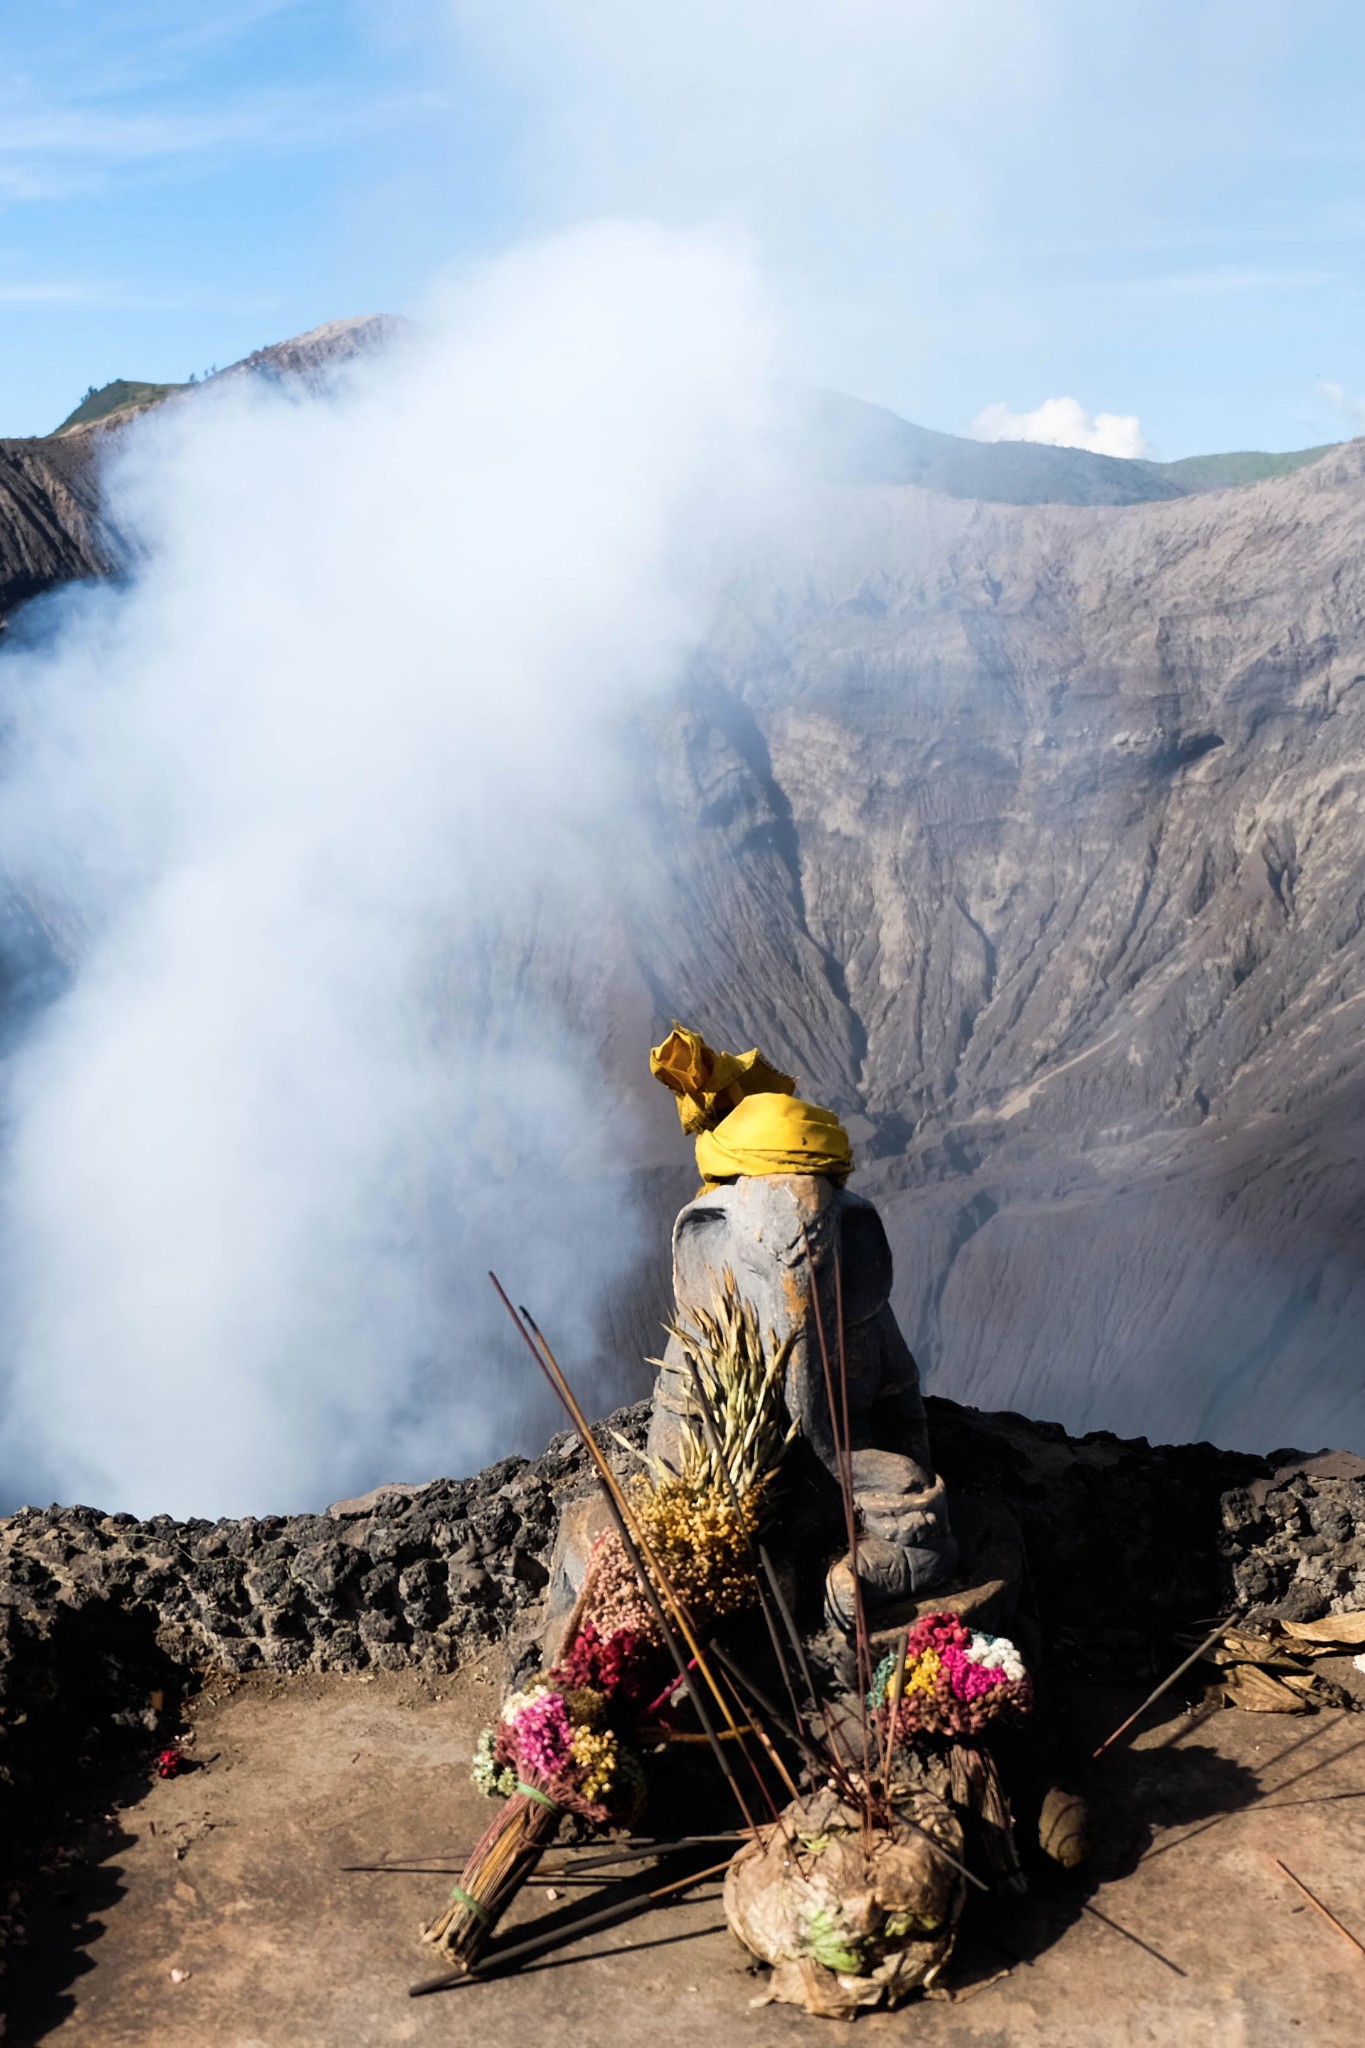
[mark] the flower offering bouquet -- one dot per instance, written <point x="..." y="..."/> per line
<point x="679" y="1559"/>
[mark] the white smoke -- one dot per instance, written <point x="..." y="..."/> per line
<point x="1063" y="423"/>
<point x="1351" y="409"/>
<point x="352" y="726"/>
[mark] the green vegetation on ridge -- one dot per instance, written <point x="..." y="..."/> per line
<point x="1249" y="466"/>
<point x="119" y="396"/>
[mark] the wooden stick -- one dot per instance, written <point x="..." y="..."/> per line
<point x="1167" y="1683"/>
<point x="1326" y="1912"/>
<point x="615" y="1505"/>
<point x="845" y="1476"/>
<point x="670" y="1593"/>
<point x="789" y="1624"/>
<point x="708" y="1422"/>
<point x="520" y="1951"/>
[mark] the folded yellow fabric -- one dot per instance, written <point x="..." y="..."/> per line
<point x="709" y="1084"/>
<point x="746" y="1116"/>
<point x="775" y="1134"/>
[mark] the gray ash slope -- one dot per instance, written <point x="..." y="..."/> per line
<point x="1032" y="838"/>
<point x="1029" y="835"/>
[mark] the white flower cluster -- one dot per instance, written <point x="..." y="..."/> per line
<point x="997" y="1653"/>
<point x="515" y="1701"/>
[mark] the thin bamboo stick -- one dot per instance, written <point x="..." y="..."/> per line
<point x="635" y="1852"/>
<point x="655" y="1563"/>
<point x="617" y="1510"/>
<point x="1167" y="1683"/>
<point x="1328" y="1915"/>
<point x="859" y="1604"/>
<point x="845" y="1476"/>
<point x="851" y="1793"/>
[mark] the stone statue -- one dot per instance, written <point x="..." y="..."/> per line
<point x="800" y="1246"/>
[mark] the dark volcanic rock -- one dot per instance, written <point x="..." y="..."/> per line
<point x="105" y="1621"/>
<point x="52" y="527"/>
<point x="1296" y="1536"/>
<point x="102" y="1614"/>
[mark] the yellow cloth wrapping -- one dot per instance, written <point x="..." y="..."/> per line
<point x="708" y="1084"/>
<point x="775" y="1134"/>
<point x="744" y="1114"/>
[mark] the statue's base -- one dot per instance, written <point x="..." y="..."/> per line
<point x="581" y="1524"/>
<point x="984" y="1590"/>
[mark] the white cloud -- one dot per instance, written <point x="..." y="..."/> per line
<point x="1352" y="409"/>
<point x="1063" y="423"/>
<point x="278" y="121"/>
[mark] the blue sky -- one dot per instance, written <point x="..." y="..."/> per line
<point x="1155" y="209"/>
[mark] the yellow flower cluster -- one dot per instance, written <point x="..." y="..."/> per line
<point x="699" y="1539"/>
<point x="924" y="1676"/>
<point x="598" y="1754"/>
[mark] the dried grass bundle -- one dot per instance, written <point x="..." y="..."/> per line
<point x="741" y="1381"/>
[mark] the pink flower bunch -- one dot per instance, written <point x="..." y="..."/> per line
<point x="620" y="1664"/>
<point x="557" y="1740"/>
<point x="543" y="1736"/>
<point x="955" y="1681"/>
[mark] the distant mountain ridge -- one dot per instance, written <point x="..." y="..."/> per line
<point x="52" y="526"/>
<point x="865" y="444"/>
<point x="850" y="440"/>
<point x="319" y="352"/>
<point x="110" y="400"/>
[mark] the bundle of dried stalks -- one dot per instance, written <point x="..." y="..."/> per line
<point x="500" y="1864"/>
<point x="742" y="1427"/>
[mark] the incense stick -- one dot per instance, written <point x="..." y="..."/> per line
<point x="1167" y="1683"/>
<point x="616" y="1510"/>
<point x="1326" y="1912"/>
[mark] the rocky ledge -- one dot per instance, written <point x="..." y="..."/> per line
<point x="105" y="1620"/>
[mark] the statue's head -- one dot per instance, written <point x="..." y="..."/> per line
<point x="769" y="1231"/>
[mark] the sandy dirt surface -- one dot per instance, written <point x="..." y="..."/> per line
<point x="234" y="1876"/>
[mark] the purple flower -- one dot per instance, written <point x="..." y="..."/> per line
<point x="544" y="1735"/>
